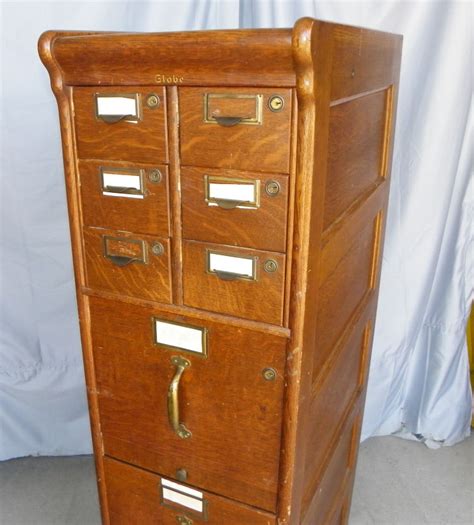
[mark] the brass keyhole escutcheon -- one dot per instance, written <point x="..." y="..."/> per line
<point x="155" y="176"/>
<point x="181" y="474"/>
<point x="272" y="188"/>
<point x="270" y="266"/>
<point x="276" y="103"/>
<point x="269" y="374"/>
<point x="152" y="101"/>
<point x="157" y="248"/>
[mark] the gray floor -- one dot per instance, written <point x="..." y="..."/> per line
<point x="398" y="483"/>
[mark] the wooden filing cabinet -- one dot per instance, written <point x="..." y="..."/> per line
<point x="227" y="194"/>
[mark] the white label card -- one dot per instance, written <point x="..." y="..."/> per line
<point x="114" y="105"/>
<point x="182" y="495"/>
<point x="178" y="336"/>
<point x="120" y="180"/>
<point x="232" y="264"/>
<point x="232" y="191"/>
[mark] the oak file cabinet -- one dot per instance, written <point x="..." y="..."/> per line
<point x="227" y="196"/>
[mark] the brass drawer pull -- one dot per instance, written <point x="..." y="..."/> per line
<point x="121" y="189"/>
<point x="228" y="122"/>
<point x="227" y="204"/>
<point x="123" y="260"/>
<point x="173" y="397"/>
<point x="227" y="276"/>
<point x="113" y="119"/>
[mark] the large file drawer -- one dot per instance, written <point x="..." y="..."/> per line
<point x="135" y="497"/>
<point x="229" y="398"/>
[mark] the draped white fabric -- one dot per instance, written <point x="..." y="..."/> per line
<point x="419" y="373"/>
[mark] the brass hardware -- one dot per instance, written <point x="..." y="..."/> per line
<point x="121" y="172"/>
<point x="128" y="254"/>
<point x="270" y="265"/>
<point x="231" y="276"/>
<point x="228" y="122"/>
<point x="269" y="374"/>
<point x="157" y="248"/>
<point x="152" y="101"/>
<point x="181" y="474"/>
<point x="173" y="398"/>
<point x="155" y="176"/>
<point x="233" y="120"/>
<point x="272" y="188"/>
<point x="229" y="204"/>
<point x="276" y="103"/>
<point x="184" y="520"/>
<point x="113" y="119"/>
<point x="204" y="336"/>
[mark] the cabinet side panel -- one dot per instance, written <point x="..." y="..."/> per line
<point x="360" y="135"/>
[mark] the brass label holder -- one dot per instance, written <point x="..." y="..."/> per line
<point x="122" y="182"/>
<point x="222" y="197"/>
<point x="222" y="265"/>
<point x="123" y="251"/>
<point x="180" y="336"/>
<point x="233" y="120"/>
<point x="189" y="501"/>
<point x="116" y="107"/>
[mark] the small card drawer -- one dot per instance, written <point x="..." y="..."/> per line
<point x="146" y="506"/>
<point x="239" y="128"/>
<point x="126" y="123"/>
<point x="125" y="197"/>
<point x="128" y="264"/>
<point x="235" y="207"/>
<point x="240" y="282"/>
<point x="159" y="409"/>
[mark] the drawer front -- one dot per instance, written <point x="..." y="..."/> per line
<point x="134" y="497"/>
<point x="236" y="281"/>
<point x="235" y="207"/>
<point x="125" y="197"/>
<point x="118" y="123"/>
<point x="241" y="128"/>
<point x="128" y="264"/>
<point x="229" y="398"/>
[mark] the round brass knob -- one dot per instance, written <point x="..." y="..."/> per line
<point x="276" y="103"/>
<point x="155" y="175"/>
<point x="181" y="474"/>
<point x="152" y="101"/>
<point x="270" y="265"/>
<point x="269" y="374"/>
<point x="157" y="248"/>
<point x="272" y="188"/>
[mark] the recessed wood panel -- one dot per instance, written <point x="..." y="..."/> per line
<point x="333" y="396"/>
<point x="331" y="488"/>
<point x="133" y="497"/>
<point x="355" y="152"/>
<point x="262" y="227"/>
<point x="346" y="279"/>
<point x="259" y="299"/>
<point x="262" y="146"/>
<point x="147" y="280"/>
<point x="233" y="413"/>
<point x="148" y="214"/>
<point x="144" y="141"/>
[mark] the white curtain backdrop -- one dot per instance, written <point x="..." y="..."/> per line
<point x="418" y="385"/>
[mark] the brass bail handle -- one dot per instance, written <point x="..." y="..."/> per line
<point x="173" y="397"/>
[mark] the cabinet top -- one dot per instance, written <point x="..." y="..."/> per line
<point x="251" y="57"/>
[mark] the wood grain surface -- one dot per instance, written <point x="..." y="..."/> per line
<point x="263" y="228"/>
<point x="133" y="497"/>
<point x="260" y="299"/>
<point x="150" y="280"/>
<point x="149" y="215"/>
<point x="142" y="142"/>
<point x="234" y="414"/>
<point x="264" y="147"/>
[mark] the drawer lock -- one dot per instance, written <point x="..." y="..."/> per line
<point x="269" y="374"/>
